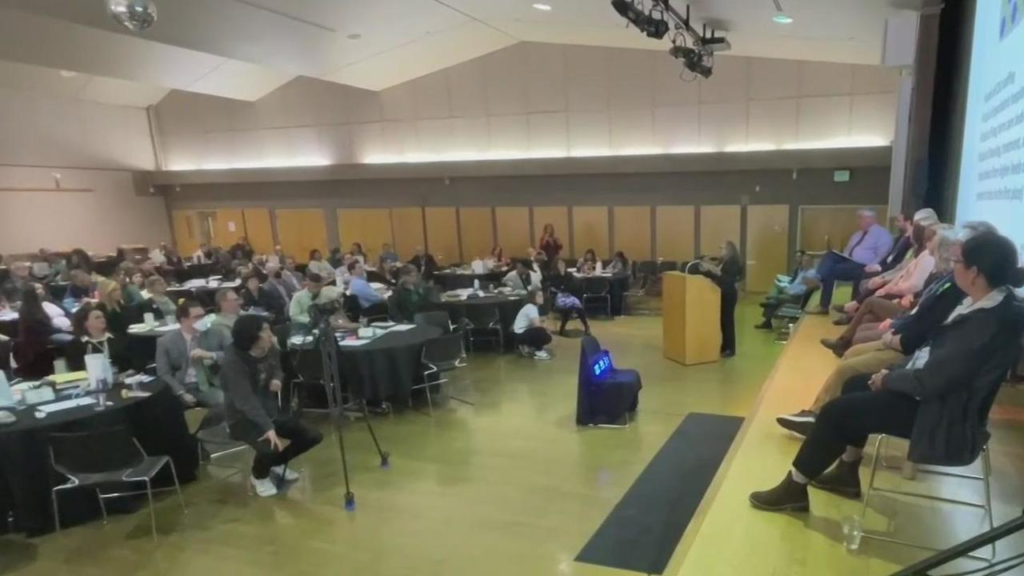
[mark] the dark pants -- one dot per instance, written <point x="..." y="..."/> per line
<point x="567" y="314"/>
<point x="302" y="439"/>
<point x="849" y="419"/>
<point x="728" y="318"/>
<point x="834" y="267"/>
<point x="772" y="304"/>
<point x="536" y="338"/>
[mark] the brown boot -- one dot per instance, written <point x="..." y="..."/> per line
<point x="838" y="346"/>
<point x="789" y="495"/>
<point x="843" y="479"/>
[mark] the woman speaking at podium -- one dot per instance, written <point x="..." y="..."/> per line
<point x="727" y="274"/>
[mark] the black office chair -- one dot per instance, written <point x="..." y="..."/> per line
<point x="482" y="323"/>
<point x="605" y="394"/>
<point x="667" y="266"/>
<point x="101" y="458"/>
<point x="437" y="318"/>
<point x="596" y="289"/>
<point x="441" y="355"/>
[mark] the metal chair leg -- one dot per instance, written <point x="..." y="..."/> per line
<point x="103" y="506"/>
<point x="177" y="486"/>
<point x="871" y="478"/>
<point x="56" y="510"/>
<point x="986" y="471"/>
<point x="152" y="510"/>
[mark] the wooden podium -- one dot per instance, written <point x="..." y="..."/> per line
<point x="690" y="320"/>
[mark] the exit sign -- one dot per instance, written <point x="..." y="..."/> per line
<point x="841" y="176"/>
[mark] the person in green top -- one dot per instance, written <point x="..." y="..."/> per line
<point x="410" y="296"/>
<point x="314" y="293"/>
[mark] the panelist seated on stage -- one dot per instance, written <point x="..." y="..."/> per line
<point x="181" y="362"/>
<point x="522" y="277"/>
<point x="314" y="293"/>
<point x="939" y="398"/>
<point x="252" y="382"/>
<point x="868" y="245"/>
<point x="790" y="291"/>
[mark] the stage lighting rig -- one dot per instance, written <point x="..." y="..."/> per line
<point x="695" y="48"/>
<point x="652" y="23"/>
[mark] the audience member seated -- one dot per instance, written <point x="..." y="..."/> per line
<point x="35" y="335"/>
<point x="388" y="257"/>
<point x="115" y="311"/>
<point x="335" y="258"/>
<point x="241" y="250"/>
<point x="252" y="379"/>
<point x="50" y="266"/>
<point x="159" y="254"/>
<point x="173" y="266"/>
<point x="134" y="289"/>
<point x="148" y="268"/>
<point x="565" y="303"/>
<point x="903" y="245"/>
<point x="59" y="318"/>
<point x="589" y="263"/>
<point x="317" y="265"/>
<point x="938" y="398"/>
<point x="278" y="256"/>
<point x="292" y="278"/>
<point x="314" y="293"/>
<point x="342" y="276"/>
<point x="790" y="292"/>
<point x="221" y="260"/>
<point x="409" y="295"/>
<point x="619" y="263"/>
<point x="903" y="337"/>
<point x="867" y="246"/>
<point x="370" y="301"/>
<point x="531" y="335"/>
<point x="864" y="326"/>
<point x="280" y="291"/>
<point x="181" y="361"/>
<point x="157" y="304"/>
<point x="424" y="263"/>
<point x="92" y="337"/>
<point x="522" y="277"/>
<point x="255" y="296"/>
<point x="217" y="337"/>
<point x="21" y="278"/>
<point x="80" y="289"/>
<point x="77" y="259"/>
<point x="203" y="255"/>
<point x="357" y="252"/>
<point x="496" y="261"/>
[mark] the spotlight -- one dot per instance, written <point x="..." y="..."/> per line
<point x="693" y="60"/>
<point x="135" y="15"/>
<point x="655" y="26"/>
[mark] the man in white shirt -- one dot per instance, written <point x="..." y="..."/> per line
<point x="522" y="278"/>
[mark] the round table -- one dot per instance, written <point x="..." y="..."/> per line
<point x="26" y="475"/>
<point x="618" y="285"/>
<point x="387" y="366"/>
<point x="204" y="294"/>
<point x="455" y="280"/>
<point x="508" y="307"/>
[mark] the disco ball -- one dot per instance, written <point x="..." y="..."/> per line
<point x="135" y="15"/>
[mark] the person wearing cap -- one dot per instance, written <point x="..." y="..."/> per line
<point x="868" y="245"/>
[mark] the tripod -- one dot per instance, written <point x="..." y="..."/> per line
<point x="332" y="381"/>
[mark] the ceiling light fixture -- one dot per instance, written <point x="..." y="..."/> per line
<point x="782" y="19"/>
<point x="542" y="7"/>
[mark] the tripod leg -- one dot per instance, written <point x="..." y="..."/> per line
<point x="384" y="456"/>
<point x="350" y="498"/>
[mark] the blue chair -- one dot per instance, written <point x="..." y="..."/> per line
<point x="605" y="394"/>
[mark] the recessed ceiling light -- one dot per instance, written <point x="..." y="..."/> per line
<point x="544" y="7"/>
<point x="68" y="73"/>
<point x="354" y="36"/>
<point x="782" y="19"/>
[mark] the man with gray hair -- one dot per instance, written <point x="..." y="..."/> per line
<point x="868" y="245"/>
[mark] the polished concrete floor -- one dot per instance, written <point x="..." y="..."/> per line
<point x="508" y="486"/>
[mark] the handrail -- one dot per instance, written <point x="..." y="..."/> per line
<point x="962" y="549"/>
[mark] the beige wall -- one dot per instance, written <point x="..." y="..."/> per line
<point x="538" y="100"/>
<point x="111" y="214"/>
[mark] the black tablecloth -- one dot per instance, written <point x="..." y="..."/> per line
<point x="26" y="476"/>
<point x="193" y="271"/>
<point x="618" y="285"/>
<point x="456" y="280"/>
<point x="508" y="308"/>
<point x="386" y="367"/>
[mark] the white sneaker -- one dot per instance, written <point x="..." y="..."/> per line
<point x="541" y="355"/>
<point x="264" y="488"/>
<point x="289" y="474"/>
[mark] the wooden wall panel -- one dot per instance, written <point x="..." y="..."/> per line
<point x="228" y="228"/>
<point x="767" y="251"/>
<point x="513" y="231"/>
<point x="258" y="229"/>
<point x="674" y="233"/>
<point x="186" y="233"/>
<point x="301" y="230"/>
<point x="476" y="227"/>
<point x="443" y="234"/>
<point x="632" y="231"/>
<point x="830" y="227"/>
<point x="371" y="227"/>
<point x="718" y="224"/>
<point x="557" y="216"/>
<point x="407" y="227"/>
<point x="590" y="230"/>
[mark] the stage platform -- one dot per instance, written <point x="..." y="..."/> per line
<point x="729" y="537"/>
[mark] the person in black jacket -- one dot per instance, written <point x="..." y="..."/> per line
<point x="726" y="276"/>
<point x="939" y="398"/>
<point x="425" y="263"/>
<point x="256" y="296"/>
<point x="251" y="376"/>
<point x="92" y="337"/>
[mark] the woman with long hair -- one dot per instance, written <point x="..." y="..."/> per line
<point x="32" y="348"/>
<point x="111" y="303"/>
<point x="587" y="264"/>
<point x="92" y="337"/>
<point x="727" y="274"/>
<point x="549" y="244"/>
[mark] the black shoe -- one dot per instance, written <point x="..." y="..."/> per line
<point x="764" y="326"/>
<point x="728" y="353"/>
<point x="843" y="479"/>
<point x="800" y="423"/>
<point x="842" y="321"/>
<point x="837" y="346"/>
<point x="788" y="496"/>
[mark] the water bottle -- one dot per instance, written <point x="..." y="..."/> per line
<point x="476" y="285"/>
